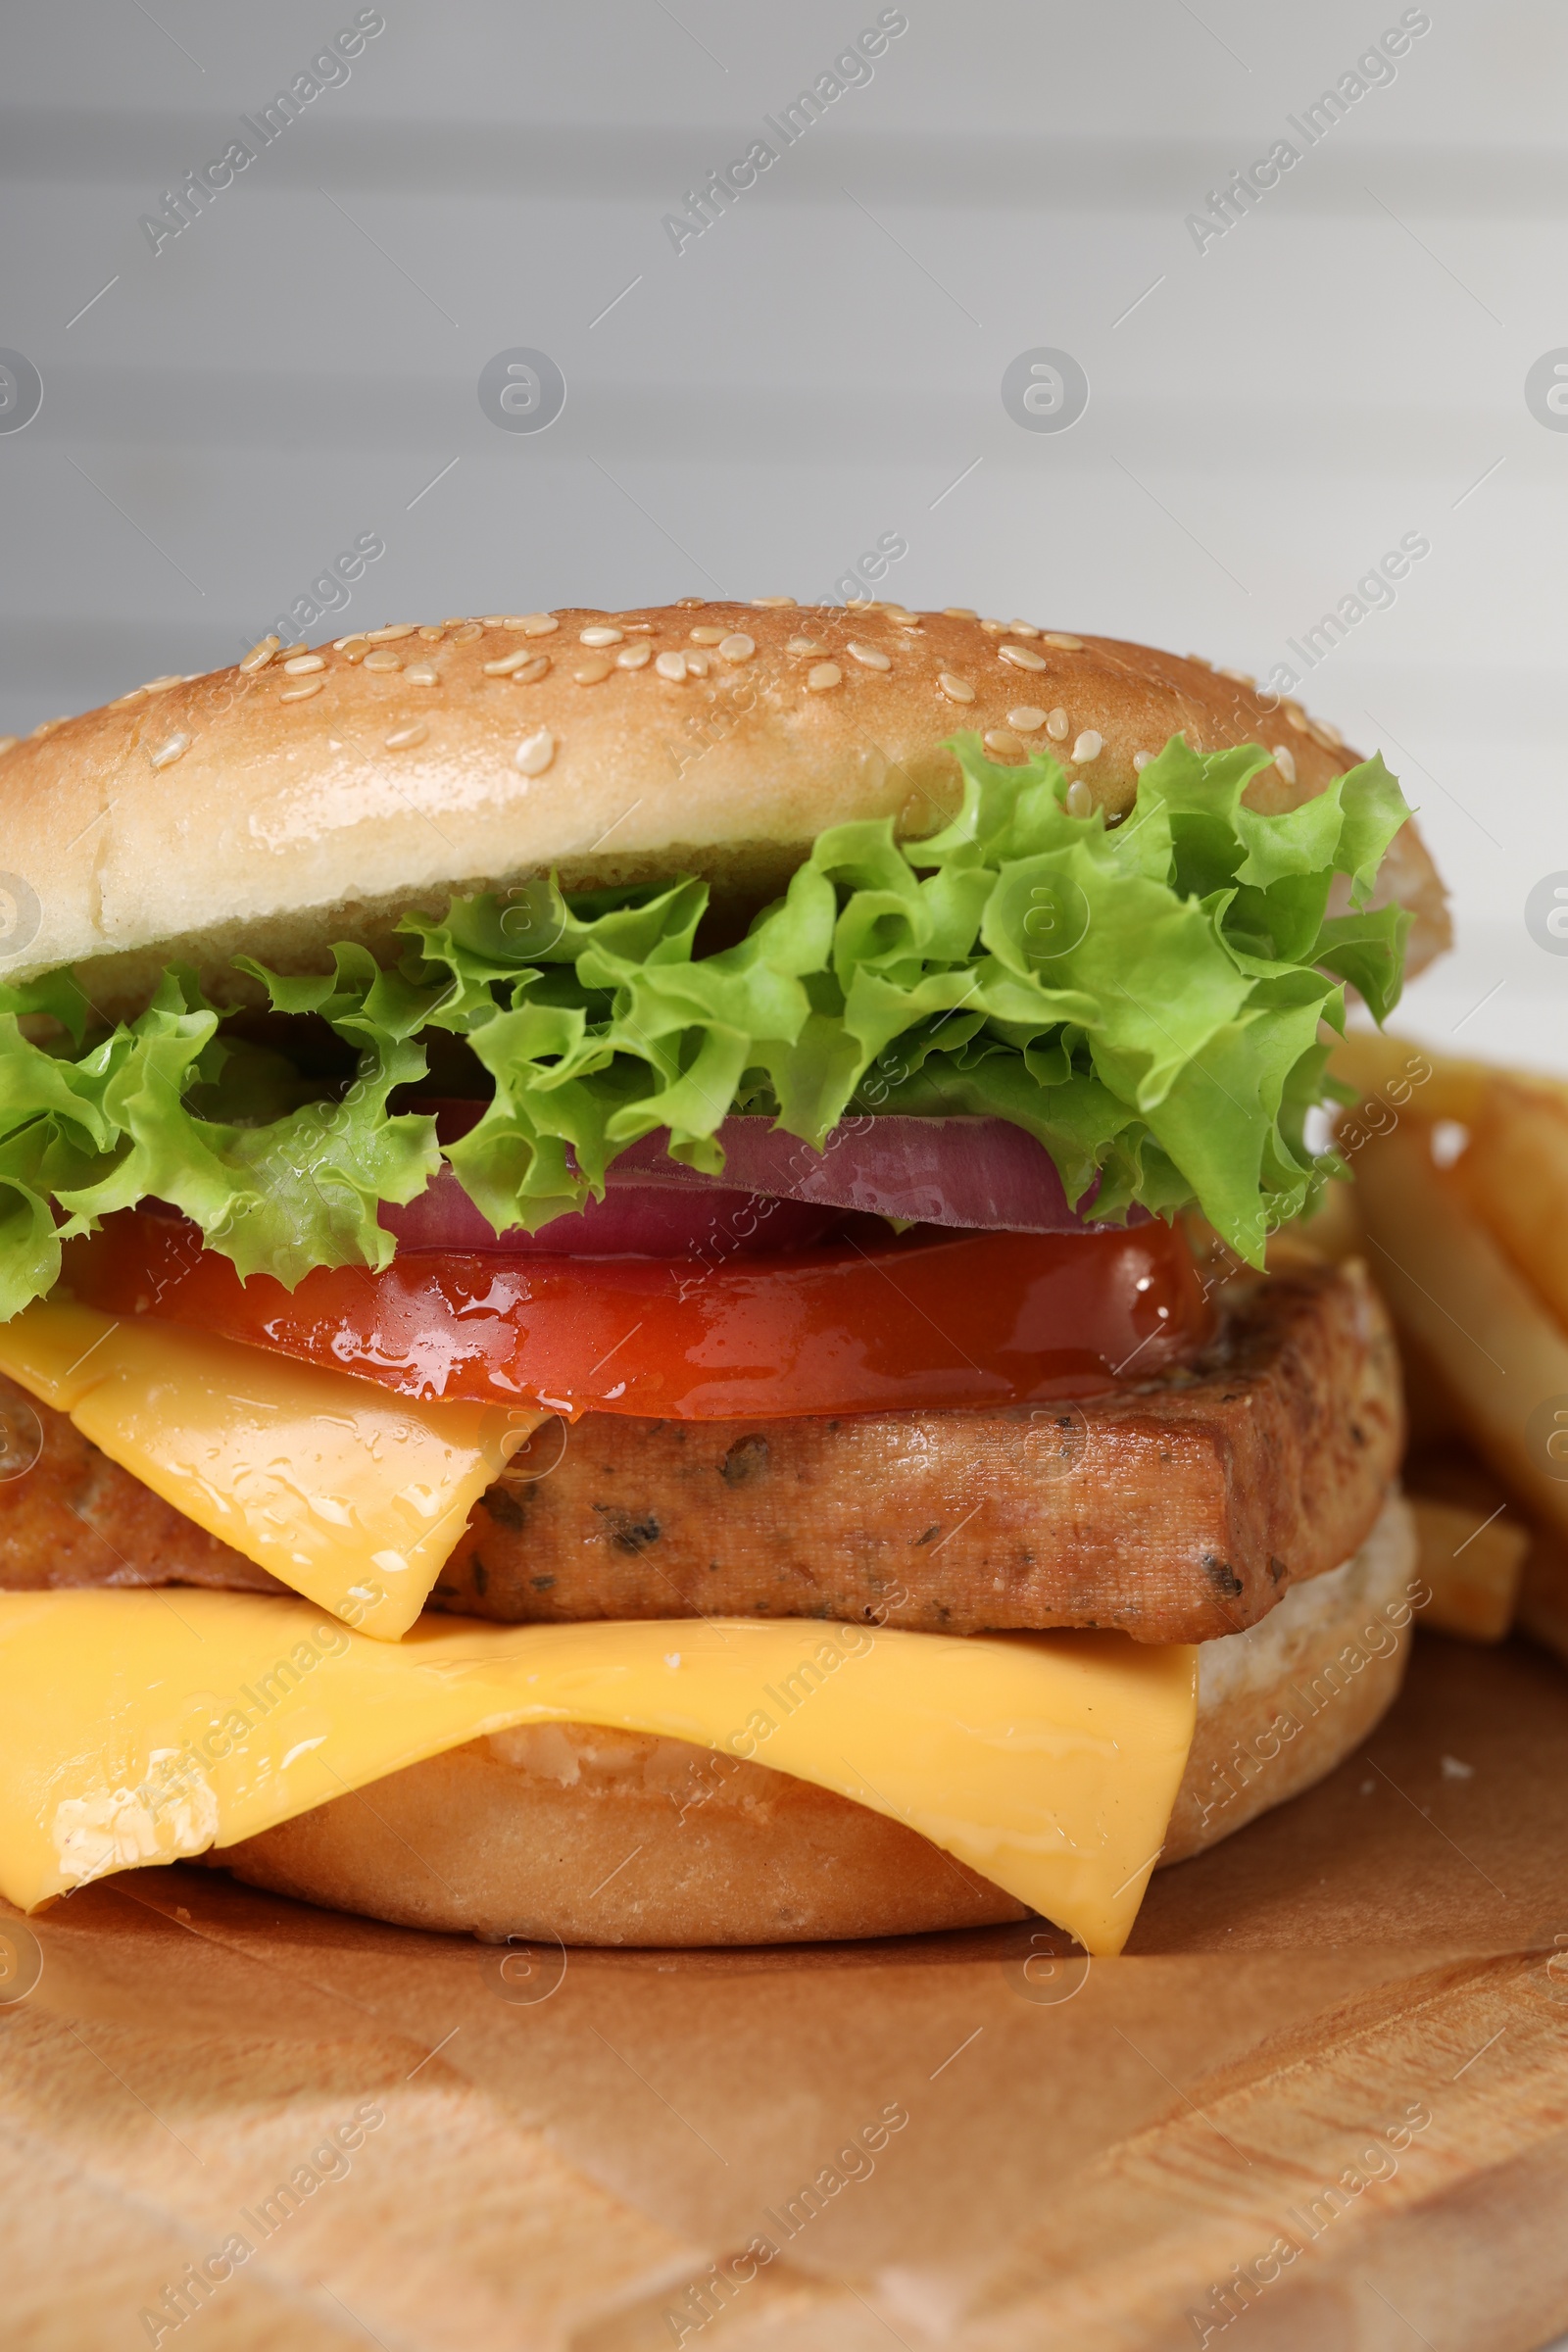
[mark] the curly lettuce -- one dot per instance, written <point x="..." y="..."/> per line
<point x="1147" y="997"/>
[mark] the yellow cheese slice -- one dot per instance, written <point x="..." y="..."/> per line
<point x="136" y="1727"/>
<point x="348" y="1493"/>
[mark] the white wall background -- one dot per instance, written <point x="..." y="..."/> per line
<point x="1345" y="366"/>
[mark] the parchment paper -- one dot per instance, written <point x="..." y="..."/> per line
<point x="942" y="2096"/>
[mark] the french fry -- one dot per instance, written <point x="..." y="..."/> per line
<point x="1390" y="1069"/>
<point x="1333" y="1230"/>
<point x="1433" y="1414"/>
<point x="1472" y="1568"/>
<point x="1502" y="1354"/>
<point x="1515" y="1177"/>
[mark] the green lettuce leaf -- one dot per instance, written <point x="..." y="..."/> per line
<point x="1148" y="998"/>
<point x="118" y="1127"/>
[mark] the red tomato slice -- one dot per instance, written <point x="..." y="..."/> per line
<point x="921" y="1320"/>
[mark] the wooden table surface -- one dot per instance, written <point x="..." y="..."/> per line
<point x="1321" y="2102"/>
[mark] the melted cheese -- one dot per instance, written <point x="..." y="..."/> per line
<point x="140" y="1726"/>
<point x="353" y="1495"/>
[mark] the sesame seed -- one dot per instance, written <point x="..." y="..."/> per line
<point x="531" y="671"/>
<point x="960" y="613"/>
<point x="803" y="645"/>
<point x="302" y="664"/>
<point x="299" y="646"/>
<point x="1238" y="677"/>
<point x="533" y="625"/>
<point x="510" y="664"/>
<point x="1080" y="800"/>
<point x="430" y="636"/>
<point x="642" y="628"/>
<point x="1328" y="735"/>
<point x="1088" y="744"/>
<point x="168" y="751"/>
<point x="303" y="692"/>
<point x="8" y="743"/>
<point x="1022" y="628"/>
<point x="134" y="695"/>
<point x="956" y="690"/>
<point x="352" y="649"/>
<point x="1064" y="645"/>
<point x="383" y="662"/>
<point x="763" y="603"/>
<point x="1298" y="717"/>
<point x="1022" y="656"/>
<point x="690" y="603"/>
<point x="995" y="628"/>
<point x="904" y="621"/>
<point x="870" y="656"/>
<point x="696" y="665"/>
<point x="422" y="675"/>
<point x="393" y="628"/>
<point x="260" y="655"/>
<point x="600" y="634"/>
<point x="1026" y="719"/>
<point x="1058" y="725"/>
<point x="456" y="621"/>
<point x="467" y="635"/>
<point x="535" y="753"/>
<point x="597" y="666"/>
<point x="1285" y="762"/>
<point x="737" y="647"/>
<point x="162" y="685"/>
<point x="46" y="726"/>
<point x="671" y="666"/>
<point x="403" y="737"/>
<point x="823" y="674"/>
<point x="706" y="635"/>
<point x="1003" y="739"/>
<point x="1140" y="761"/>
<point x="1200" y="661"/>
<point x="634" y="657"/>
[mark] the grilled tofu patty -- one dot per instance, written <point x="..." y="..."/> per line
<point x="1179" y="1510"/>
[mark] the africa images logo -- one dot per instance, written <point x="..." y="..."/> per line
<point x="21" y="391"/>
<point x="708" y="203"/>
<point x="1545" y="913"/>
<point x="1228" y="206"/>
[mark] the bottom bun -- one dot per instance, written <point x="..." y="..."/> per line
<point x="600" y="1836"/>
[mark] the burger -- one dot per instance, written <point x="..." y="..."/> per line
<point x="647" y="1280"/>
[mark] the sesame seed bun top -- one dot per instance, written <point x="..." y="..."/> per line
<point x="303" y="797"/>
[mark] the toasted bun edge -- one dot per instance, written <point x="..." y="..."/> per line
<point x="272" y="809"/>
